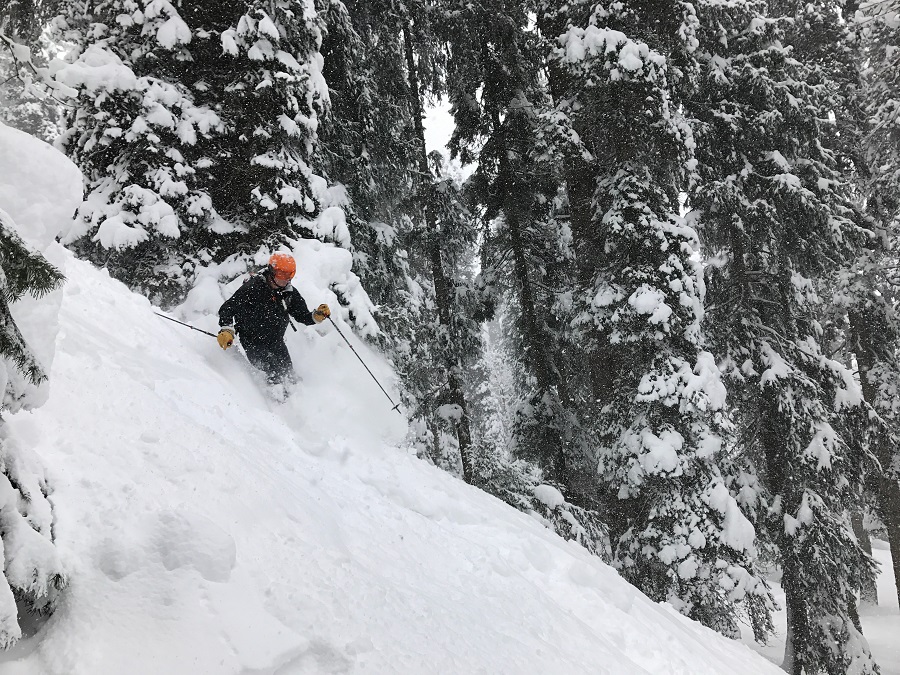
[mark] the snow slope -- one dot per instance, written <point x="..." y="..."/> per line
<point x="207" y="531"/>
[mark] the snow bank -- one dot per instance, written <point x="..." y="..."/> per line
<point x="210" y="532"/>
<point x="39" y="191"/>
<point x="39" y="187"/>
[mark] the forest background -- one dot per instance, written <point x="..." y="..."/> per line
<point x="659" y="310"/>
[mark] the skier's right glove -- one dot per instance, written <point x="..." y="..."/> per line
<point x="225" y="337"/>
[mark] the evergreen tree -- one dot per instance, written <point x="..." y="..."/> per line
<point x="367" y="142"/>
<point x="872" y="280"/>
<point x="32" y="571"/>
<point x="194" y="123"/>
<point x="833" y="53"/>
<point x="880" y="31"/>
<point x="775" y="219"/>
<point x="442" y="225"/>
<point x="24" y="271"/>
<point x="493" y="50"/>
<point x="26" y="93"/>
<point x="410" y="234"/>
<point x="369" y="145"/>
<point x="659" y="417"/>
<point x="368" y="137"/>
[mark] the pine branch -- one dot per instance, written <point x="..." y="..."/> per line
<point x="25" y="270"/>
<point x="14" y="347"/>
<point x="27" y="64"/>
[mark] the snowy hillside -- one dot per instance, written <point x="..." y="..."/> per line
<point x="645" y="253"/>
<point x="206" y="532"/>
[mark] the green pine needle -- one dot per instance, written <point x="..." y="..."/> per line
<point x="23" y="271"/>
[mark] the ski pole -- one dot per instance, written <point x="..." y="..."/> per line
<point x="396" y="405"/>
<point x="206" y="332"/>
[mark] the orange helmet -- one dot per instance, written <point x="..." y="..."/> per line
<point x="283" y="266"/>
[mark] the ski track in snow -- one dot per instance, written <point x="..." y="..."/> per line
<point x="208" y="530"/>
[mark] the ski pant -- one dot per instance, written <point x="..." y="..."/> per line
<point x="272" y="358"/>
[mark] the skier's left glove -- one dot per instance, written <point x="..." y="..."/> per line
<point x="322" y="312"/>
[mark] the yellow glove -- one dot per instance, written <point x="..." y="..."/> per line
<point x="225" y="337"/>
<point x="322" y="312"/>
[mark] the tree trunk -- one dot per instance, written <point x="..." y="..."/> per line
<point x="889" y="498"/>
<point x="774" y="426"/>
<point x="868" y="594"/>
<point x="797" y="630"/>
<point x="442" y="293"/>
<point x="787" y="665"/>
<point x="888" y="486"/>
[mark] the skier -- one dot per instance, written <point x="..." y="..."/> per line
<point x="260" y="311"/>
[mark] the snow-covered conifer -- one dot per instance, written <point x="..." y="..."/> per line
<point x="32" y="571"/>
<point x="369" y="145"/>
<point x="26" y="100"/>
<point x="659" y="415"/>
<point x="24" y="271"/>
<point x="871" y="280"/>
<point x="446" y="337"/>
<point x="880" y="30"/>
<point x="195" y="127"/>
<point x="493" y="51"/>
<point x="775" y="220"/>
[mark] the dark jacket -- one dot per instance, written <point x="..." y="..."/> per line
<point x="260" y="313"/>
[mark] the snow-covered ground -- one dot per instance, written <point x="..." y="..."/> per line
<point x="207" y="530"/>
